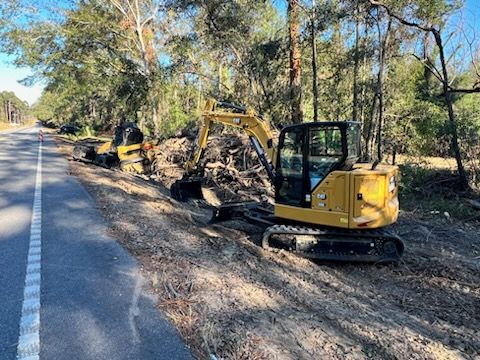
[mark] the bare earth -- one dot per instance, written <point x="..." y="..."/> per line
<point x="230" y="299"/>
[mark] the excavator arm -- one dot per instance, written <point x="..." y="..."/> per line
<point x="258" y="130"/>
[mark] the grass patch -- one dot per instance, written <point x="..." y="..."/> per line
<point x="433" y="192"/>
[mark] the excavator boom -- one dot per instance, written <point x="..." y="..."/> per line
<point x="258" y="130"/>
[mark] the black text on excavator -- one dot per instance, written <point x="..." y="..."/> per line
<point x="327" y="204"/>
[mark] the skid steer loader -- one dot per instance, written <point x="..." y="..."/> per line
<point x="126" y="151"/>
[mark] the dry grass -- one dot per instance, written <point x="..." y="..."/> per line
<point x="7" y="126"/>
<point x="430" y="162"/>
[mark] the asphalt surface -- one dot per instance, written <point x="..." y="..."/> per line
<point x="93" y="299"/>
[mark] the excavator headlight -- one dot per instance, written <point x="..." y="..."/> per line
<point x="392" y="184"/>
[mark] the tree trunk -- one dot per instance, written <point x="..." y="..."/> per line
<point x="295" y="62"/>
<point x="446" y="89"/>
<point x="219" y="78"/>
<point x="356" y="64"/>
<point x="199" y="96"/>
<point x="427" y="58"/>
<point x="314" y="64"/>
<point x="363" y="75"/>
<point x="374" y="133"/>
<point x="382" y="59"/>
<point x="369" y="138"/>
<point x="451" y="114"/>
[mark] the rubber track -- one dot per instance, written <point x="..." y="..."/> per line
<point x="325" y="236"/>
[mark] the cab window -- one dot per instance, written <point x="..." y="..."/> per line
<point x="325" y="151"/>
<point x="353" y="141"/>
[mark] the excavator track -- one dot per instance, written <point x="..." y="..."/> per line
<point x="322" y="243"/>
<point x="378" y="246"/>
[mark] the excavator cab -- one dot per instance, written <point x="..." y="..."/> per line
<point x="308" y="152"/>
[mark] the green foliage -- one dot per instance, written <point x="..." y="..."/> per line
<point x="44" y="108"/>
<point x="87" y="131"/>
<point x="431" y="193"/>
<point x="176" y="119"/>
<point x="10" y="96"/>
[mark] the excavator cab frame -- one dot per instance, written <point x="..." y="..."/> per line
<point x="308" y="152"/>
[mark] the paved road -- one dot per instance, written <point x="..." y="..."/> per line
<point x="67" y="290"/>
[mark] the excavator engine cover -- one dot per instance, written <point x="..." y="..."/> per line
<point x="187" y="188"/>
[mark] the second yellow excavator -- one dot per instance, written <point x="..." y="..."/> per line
<point x="327" y="205"/>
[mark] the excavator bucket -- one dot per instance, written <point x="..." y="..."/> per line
<point x="185" y="189"/>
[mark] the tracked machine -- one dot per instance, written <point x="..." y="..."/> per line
<point x="328" y="206"/>
<point x="127" y="151"/>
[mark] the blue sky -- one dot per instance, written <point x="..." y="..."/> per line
<point x="10" y="75"/>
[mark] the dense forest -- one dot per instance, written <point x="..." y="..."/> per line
<point x="407" y="70"/>
<point x="15" y="101"/>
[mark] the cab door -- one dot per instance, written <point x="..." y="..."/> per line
<point x="290" y="178"/>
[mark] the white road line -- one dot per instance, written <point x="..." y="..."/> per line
<point x="29" y="339"/>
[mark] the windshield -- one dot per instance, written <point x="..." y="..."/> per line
<point x="291" y="167"/>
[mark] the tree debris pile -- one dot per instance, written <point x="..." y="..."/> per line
<point x="230" y="165"/>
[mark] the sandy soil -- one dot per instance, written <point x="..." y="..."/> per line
<point x="230" y="299"/>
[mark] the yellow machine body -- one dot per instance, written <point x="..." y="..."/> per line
<point x="357" y="199"/>
<point x="104" y="148"/>
<point x="327" y="204"/>
<point x="131" y="158"/>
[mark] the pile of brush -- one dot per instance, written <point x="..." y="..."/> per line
<point x="231" y="166"/>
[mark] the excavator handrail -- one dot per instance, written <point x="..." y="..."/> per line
<point x="258" y="130"/>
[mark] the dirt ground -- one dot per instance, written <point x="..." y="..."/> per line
<point x="231" y="299"/>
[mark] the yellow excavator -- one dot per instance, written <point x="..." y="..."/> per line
<point x="328" y="205"/>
